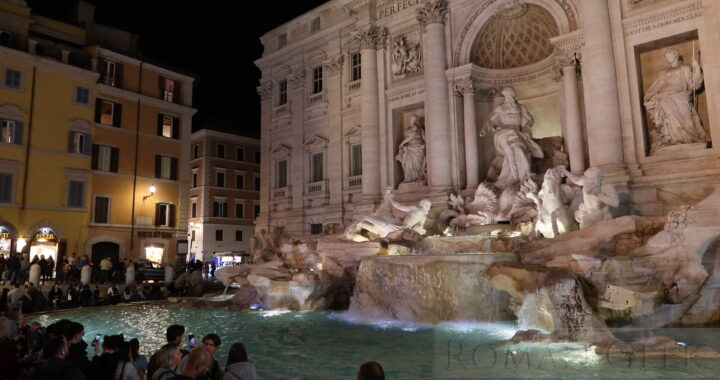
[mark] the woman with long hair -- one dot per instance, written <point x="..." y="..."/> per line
<point x="125" y="369"/>
<point x="238" y="367"/>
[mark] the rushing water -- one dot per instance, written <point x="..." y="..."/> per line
<point x="320" y="345"/>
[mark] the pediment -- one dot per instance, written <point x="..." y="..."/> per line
<point x="11" y="111"/>
<point x="281" y="148"/>
<point x="316" y="141"/>
<point x="354" y="131"/>
<point x="81" y="125"/>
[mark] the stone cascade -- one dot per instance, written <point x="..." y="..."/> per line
<point x="429" y="289"/>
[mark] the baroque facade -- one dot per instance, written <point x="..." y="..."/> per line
<point x="342" y="84"/>
<point x="94" y="157"/>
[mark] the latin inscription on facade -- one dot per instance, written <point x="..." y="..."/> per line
<point x="389" y="8"/>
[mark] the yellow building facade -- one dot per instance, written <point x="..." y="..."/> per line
<point x="85" y="137"/>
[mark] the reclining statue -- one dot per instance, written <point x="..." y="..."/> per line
<point x="383" y="222"/>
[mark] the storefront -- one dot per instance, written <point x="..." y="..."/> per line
<point x="154" y="252"/>
<point x="231" y="258"/>
<point x="44" y="243"/>
<point x="6" y="240"/>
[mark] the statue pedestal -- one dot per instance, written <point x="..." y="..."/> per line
<point x="680" y="151"/>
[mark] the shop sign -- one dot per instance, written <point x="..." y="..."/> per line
<point x="45" y="234"/>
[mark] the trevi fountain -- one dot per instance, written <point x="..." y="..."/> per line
<point x="573" y="235"/>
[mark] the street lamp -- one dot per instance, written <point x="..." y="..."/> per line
<point x="152" y="192"/>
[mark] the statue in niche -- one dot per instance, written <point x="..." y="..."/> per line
<point x="406" y="59"/>
<point x="383" y="223"/>
<point x="411" y="152"/>
<point x="668" y="101"/>
<point x="597" y="197"/>
<point x="511" y="125"/>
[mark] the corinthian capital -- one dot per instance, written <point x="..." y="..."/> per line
<point x="432" y="12"/>
<point x="463" y="86"/>
<point x="334" y="65"/>
<point x="370" y="37"/>
<point x="265" y="91"/>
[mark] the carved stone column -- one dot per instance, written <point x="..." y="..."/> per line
<point x="467" y="89"/>
<point x="567" y="64"/>
<point x="368" y="40"/>
<point x="431" y="16"/>
<point x="599" y="78"/>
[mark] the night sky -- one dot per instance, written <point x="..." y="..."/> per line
<point x="210" y="39"/>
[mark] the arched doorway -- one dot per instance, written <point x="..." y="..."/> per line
<point x="105" y="249"/>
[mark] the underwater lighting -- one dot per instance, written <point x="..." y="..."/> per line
<point x="681" y="344"/>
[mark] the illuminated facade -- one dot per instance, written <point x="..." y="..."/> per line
<point x="86" y="132"/>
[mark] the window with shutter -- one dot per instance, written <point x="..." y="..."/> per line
<point x="6" y="187"/>
<point x="103" y="160"/>
<point x="162" y="214"/>
<point x="193" y="210"/>
<point x="239" y="181"/>
<point x="220" y="209"/>
<point x="164" y="167"/>
<point x="109" y="73"/>
<point x="76" y="192"/>
<point x="167" y="124"/>
<point x="168" y="90"/>
<point x="105" y="115"/>
<point x="101" y="214"/>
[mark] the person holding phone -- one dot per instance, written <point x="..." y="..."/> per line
<point x="77" y="348"/>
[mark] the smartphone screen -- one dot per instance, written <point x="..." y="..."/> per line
<point x="192" y="340"/>
<point x="97" y="338"/>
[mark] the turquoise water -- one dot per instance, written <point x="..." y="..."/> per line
<point x="322" y="345"/>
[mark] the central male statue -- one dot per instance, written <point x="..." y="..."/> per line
<point x="510" y="123"/>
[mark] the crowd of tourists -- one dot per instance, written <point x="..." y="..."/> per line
<point x="59" y="352"/>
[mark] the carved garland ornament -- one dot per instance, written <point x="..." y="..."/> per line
<point x="462" y="86"/>
<point x="334" y="65"/>
<point x="432" y="12"/>
<point x="370" y="38"/>
<point x="265" y="91"/>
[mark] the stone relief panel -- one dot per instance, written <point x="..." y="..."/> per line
<point x="406" y="57"/>
<point x="635" y="4"/>
<point x="672" y="93"/>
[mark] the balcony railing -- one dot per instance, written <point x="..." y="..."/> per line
<point x="281" y="193"/>
<point x="315" y="98"/>
<point x="354" y="86"/>
<point x="281" y="109"/>
<point x="319" y="187"/>
<point x="354" y="181"/>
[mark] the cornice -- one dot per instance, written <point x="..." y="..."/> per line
<point x="666" y="16"/>
<point x="48" y="64"/>
<point x="134" y="96"/>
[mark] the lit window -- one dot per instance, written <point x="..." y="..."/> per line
<point x="104" y="159"/>
<point x="164" y="214"/>
<point x="168" y="124"/>
<point x="107" y="110"/>
<point x="7" y="131"/>
<point x="78" y="142"/>
<point x="168" y="90"/>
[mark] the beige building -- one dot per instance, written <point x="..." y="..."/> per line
<point x="340" y="84"/>
<point x="224" y="193"/>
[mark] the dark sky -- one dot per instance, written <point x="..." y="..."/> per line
<point x="215" y="40"/>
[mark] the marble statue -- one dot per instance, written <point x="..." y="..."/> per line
<point x="598" y="197"/>
<point x="406" y="59"/>
<point x="668" y="101"/>
<point x="553" y="217"/>
<point x="479" y="210"/>
<point x="383" y="222"/>
<point x="411" y="152"/>
<point x="510" y="123"/>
